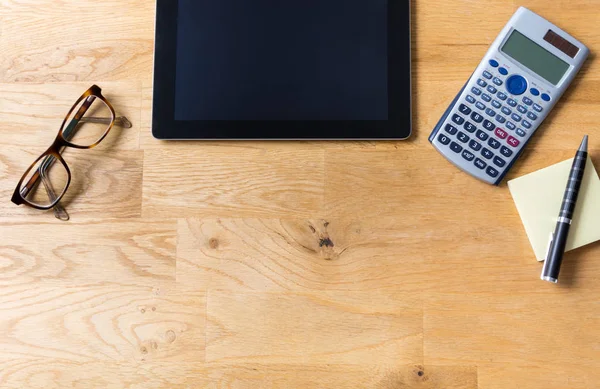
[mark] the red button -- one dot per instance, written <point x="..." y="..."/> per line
<point x="513" y="142"/>
<point x="500" y="133"/>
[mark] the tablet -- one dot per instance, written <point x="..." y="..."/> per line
<point x="272" y="69"/>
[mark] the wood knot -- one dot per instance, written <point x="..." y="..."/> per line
<point x="325" y="242"/>
<point x="213" y="243"/>
<point x="171" y="336"/>
<point x="153" y="309"/>
<point x="420" y="373"/>
<point x="144" y="350"/>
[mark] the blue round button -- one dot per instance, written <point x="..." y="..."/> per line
<point x="503" y="71"/>
<point x="545" y="97"/>
<point x="534" y="92"/>
<point x="493" y="63"/>
<point x="517" y="85"/>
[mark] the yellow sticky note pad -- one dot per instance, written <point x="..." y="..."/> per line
<point x="538" y="197"/>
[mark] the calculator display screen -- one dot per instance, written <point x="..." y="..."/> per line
<point x="535" y="57"/>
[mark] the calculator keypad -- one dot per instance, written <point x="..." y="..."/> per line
<point x="488" y="125"/>
<point x="470" y="127"/>
<point x="458" y="119"/>
<point x="478" y="132"/>
<point x="469" y="156"/>
<point x="477" y="118"/>
<point x="450" y="129"/>
<point x="464" y="109"/>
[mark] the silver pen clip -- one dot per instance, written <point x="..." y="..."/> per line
<point x="546" y="261"/>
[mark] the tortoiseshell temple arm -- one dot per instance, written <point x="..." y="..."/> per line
<point x="121" y="121"/>
<point x="59" y="211"/>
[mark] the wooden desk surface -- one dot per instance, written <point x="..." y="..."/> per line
<point x="279" y="265"/>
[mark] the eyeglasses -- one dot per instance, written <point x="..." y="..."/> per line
<point x="88" y="122"/>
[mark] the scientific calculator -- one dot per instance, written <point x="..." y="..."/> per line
<point x="520" y="79"/>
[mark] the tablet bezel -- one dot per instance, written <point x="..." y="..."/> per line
<point x="398" y="125"/>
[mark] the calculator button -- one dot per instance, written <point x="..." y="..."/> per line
<point x="500" y="119"/>
<point x="499" y="162"/>
<point x="470" y="99"/>
<point x="485" y="97"/>
<point x="464" y="109"/>
<point x="463" y="137"/>
<point x="470" y="127"/>
<point x="488" y="125"/>
<point x="450" y="129"/>
<point x="534" y="92"/>
<point x="458" y="119"/>
<point x="477" y="118"/>
<point x="496" y="104"/>
<point x="481" y="83"/>
<point x="521" y="133"/>
<point x="474" y="145"/>
<point x="512" y="102"/>
<point x="469" y="156"/>
<point x="545" y="97"/>
<point x="537" y="108"/>
<point x="479" y="105"/>
<point x="515" y="117"/>
<point x="497" y="81"/>
<point x="493" y="143"/>
<point x="506" y="110"/>
<point x="490" y="112"/>
<point x="480" y="164"/>
<point x="492" y="172"/>
<point x="486" y="153"/>
<point x="514" y="142"/>
<point x="502" y="96"/>
<point x="522" y="109"/>
<point x="500" y="133"/>
<point x="503" y="71"/>
<point x="493" y="63"/>
<point x="527" y="100"/>
<point x="526" y="124"/>
<point x="487" y="74"/>
<point x="510" y="125"/>
<point x="456" y="147"/>
<point x="443" y="139"/>
<point x="491" y="89"/>
<point x="506" y="151"/>
<point x="516" y="84"/>
<point x="476" y="91"/>
<point x="532" y="116"/>
<point x="482" y="135"/>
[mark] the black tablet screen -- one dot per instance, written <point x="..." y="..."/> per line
<point x="282" y="60"/>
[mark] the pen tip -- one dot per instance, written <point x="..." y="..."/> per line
<point x="584" y="144"/>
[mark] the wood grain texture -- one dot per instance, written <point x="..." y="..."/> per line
<point x="71" y="40"/>
<point x="234" y="376"/>
<point x="325" y="328"/>
<point x="232" y="181"/>
<point x="512" y="328"/>
<point x="100" y="323"/>
<point x="279" y="265"/>
<point x="88" y="253"/>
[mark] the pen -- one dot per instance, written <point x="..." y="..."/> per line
<point x="558" y="240"/>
